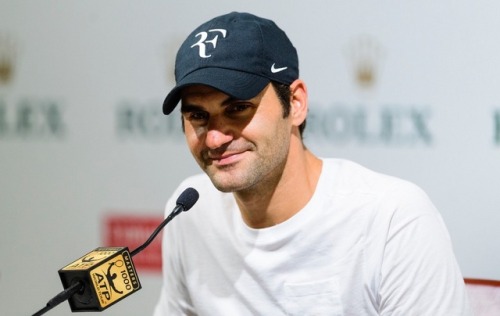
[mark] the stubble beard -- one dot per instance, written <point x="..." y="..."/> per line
<point x="260" y="173"/>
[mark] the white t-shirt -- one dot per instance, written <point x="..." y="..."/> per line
<point x="365" y="244"/>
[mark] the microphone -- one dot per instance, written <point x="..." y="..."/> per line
<point x="107" y="275"/>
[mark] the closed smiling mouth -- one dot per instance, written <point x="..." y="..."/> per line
<point x="224" y="159"/>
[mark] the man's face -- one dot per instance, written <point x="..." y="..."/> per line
<point x="239" y="143"/>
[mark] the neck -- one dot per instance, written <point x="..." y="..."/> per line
<point x="276" y="200"/>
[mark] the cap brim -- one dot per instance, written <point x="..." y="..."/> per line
<point x="237" y="84"/>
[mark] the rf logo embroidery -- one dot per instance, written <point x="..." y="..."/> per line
<point x="203" y="41"/>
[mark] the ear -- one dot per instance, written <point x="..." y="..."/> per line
<point x="298" y="102"/>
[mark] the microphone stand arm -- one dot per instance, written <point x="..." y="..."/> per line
<point x="61" y="297"/>
<point x="178" y="209"/>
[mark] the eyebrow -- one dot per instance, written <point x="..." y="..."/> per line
<point x="187" y="107"/>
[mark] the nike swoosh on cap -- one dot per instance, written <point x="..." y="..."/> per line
<point x="275" y="70"/>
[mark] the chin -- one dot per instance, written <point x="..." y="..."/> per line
<point x="231" y="180"/>
<point x="227" y="185"/>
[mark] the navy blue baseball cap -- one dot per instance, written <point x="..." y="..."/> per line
<point x="236" y="53"/>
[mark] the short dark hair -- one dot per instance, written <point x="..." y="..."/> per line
<point x="284" y="93"/>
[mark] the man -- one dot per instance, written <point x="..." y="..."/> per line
<point x="277" y="230"/>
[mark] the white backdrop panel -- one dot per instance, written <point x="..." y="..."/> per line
<point x="81" y="129"/>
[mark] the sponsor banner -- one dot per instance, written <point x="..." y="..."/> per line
<point x="132" y="231"/>
<point x="391" y="125"/>
<point x="135" y="120"/>
<point x="32" y="118"/>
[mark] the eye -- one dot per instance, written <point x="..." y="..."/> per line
<point x="238" y="108"/>
<point x="196" y="116"/>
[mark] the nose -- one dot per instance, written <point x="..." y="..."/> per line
<point x="218" y="134"/>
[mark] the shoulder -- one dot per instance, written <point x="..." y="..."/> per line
<point x="389" y="192"/>
<point x="353" y="175"/>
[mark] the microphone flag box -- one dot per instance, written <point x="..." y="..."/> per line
<point x="108" y="275"/>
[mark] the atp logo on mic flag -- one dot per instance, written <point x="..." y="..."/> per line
<point x="108" y="275"/>
<point x="114" y="280"/>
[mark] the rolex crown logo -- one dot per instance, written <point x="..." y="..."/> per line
<point x="7" y="56"/>
<point x="365" y="54"/>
